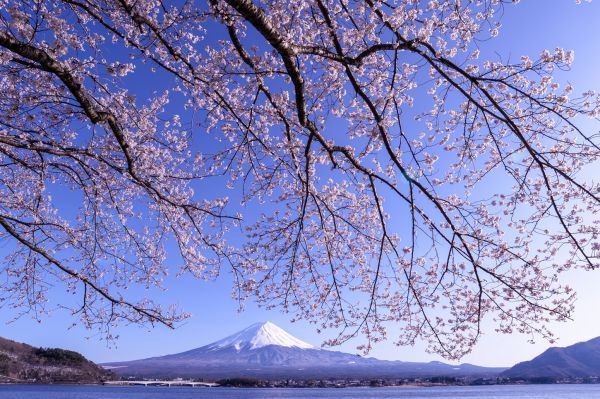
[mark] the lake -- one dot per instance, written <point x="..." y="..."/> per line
<point x="484" y="392"/>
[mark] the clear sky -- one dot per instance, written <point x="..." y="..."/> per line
<point x="528" y="28"/>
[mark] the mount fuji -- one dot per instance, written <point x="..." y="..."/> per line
<point x="263" y="350"/>
<point x="260" y="335"/>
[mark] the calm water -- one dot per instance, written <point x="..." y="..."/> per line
<point x="489" y="392"/>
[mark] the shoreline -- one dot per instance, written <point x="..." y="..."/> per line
<point x="187" y="384"/>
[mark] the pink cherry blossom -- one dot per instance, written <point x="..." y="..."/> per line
<point x="374" y="206"/>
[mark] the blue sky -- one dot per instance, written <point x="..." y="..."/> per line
<point x="528" y="28"/>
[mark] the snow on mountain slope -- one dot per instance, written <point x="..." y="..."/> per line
<point x="265" y="351"/>
<point x="259" y="335"/>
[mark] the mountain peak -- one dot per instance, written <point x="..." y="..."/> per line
<point x="258" y="335"/>
<point x="579" y="360"/>
<point x="266" y="352"/>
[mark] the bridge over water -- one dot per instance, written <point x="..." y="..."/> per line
<point x="174" y="383"/>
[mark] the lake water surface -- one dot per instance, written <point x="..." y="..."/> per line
<point x="484" y="392"/>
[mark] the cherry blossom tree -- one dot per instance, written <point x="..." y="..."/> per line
<point x="399" y="177"/>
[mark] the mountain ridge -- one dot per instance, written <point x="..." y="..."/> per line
<point x="22" y="363"/>
<point x="575" y="361"/>
<point x="266" y="351"/>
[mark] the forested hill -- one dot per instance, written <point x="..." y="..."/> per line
<point x="575" y="361"/>
<point x="24" y="363"/>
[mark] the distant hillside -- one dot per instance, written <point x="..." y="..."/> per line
<point x="579" y="360"/>
<point x="23" y="363"/>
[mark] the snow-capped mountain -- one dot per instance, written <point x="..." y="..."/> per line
<point x="259" y="335"/>
<point x="265" y="351"/>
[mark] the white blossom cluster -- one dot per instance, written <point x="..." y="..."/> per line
<point x="399" y="178"/>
